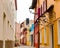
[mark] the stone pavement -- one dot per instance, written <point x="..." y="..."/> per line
<point x="25" y="47"/>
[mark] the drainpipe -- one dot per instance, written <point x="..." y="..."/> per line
<point x="38" y="24"/>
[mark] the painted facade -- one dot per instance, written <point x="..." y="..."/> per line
<point x="50" y="31"/>
<point x="27" y="34"/>
<point x="49" y="27"/>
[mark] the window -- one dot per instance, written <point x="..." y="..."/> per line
<point x="27" y="21"/>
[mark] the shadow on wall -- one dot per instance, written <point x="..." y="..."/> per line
<point x="1" y="44"/>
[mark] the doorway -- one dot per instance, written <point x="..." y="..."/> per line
<point x="31" y="40"/>
<point x="51" y="36"/>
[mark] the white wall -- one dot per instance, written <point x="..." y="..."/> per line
<point x="1" y="21"/>
<point x="8" y="31"/>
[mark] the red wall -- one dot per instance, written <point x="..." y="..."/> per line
<point x="36" y="40"/>
<point x="36" y="36"/>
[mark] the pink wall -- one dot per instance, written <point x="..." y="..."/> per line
<point x="17" y="30"/>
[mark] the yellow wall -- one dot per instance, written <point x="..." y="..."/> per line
<point x="49" y="3"/>
<point x="57" y="10"/>
<point x="47" y="30"/>
<point x="47" y="36"/>
<point x="55" y="35"/>
<point x="55" y="26"/>
<point x="42" y="36"/>
<point x="28" y="38"/>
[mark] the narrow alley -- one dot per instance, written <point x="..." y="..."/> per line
<point x="29" y="23"/>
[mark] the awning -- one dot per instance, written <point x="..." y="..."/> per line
<point x="34" y="2"/>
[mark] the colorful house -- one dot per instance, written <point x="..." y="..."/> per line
<point x="29" y="32"/>
<point x="49" y="23"/>
<point x="25" y="35"/>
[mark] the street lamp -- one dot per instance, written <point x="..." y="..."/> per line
<point x="32" y="11"/>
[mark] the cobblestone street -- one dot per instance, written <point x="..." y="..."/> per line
<point x="25" y="47"/>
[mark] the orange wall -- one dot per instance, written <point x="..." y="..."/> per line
<point x="47" y="30"/>
<point x="55" y="35"/>
<point x="57" y="8"/>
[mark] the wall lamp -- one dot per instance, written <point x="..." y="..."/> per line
<point x="34" y="3"/>
<point x="32" y="11"/>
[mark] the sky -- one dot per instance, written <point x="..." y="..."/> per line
<point x="23" y="10"/>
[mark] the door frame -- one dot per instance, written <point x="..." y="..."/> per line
<point x="52" y="32"/>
